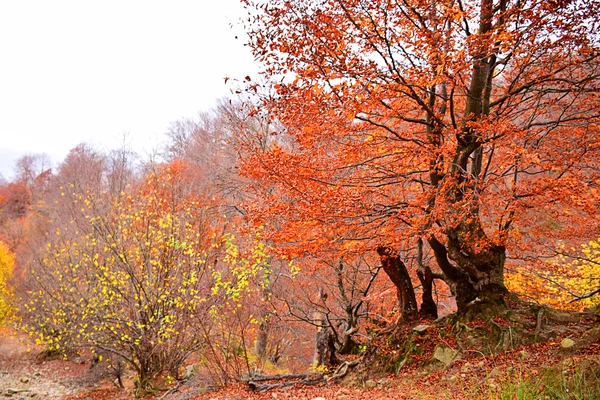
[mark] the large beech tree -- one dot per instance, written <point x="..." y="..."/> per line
<point x="428" y="126"/>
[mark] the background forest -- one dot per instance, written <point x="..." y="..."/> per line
<point x="395" y="164"/>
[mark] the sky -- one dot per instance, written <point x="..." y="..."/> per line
<point x="91" y="71"/>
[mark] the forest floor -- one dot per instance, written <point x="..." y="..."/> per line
<point x="537" y="371"/>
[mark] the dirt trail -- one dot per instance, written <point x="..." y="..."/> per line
<point x="24" y="376"/>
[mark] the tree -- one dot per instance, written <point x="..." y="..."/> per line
<point x="429" y="127"/>
<point x="148" y="276"/>
<point x="30" y="167"/>
<point x="130" y="278"/>
<point x="572" y="280"/>
<point x="7" y="262"/>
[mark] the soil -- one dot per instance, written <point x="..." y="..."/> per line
<point x="25" y="374"/>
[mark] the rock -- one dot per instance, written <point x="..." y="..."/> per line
<point x="567" y="343"/>
<point x="274" y="395"/>
<point x="370" y="384"/>
<point x="453" y="378"/>
<point x="421" y="328"/>
<point x="466" y="368"/>
<point x="24" y="379"/>
<point x="445" y="355"/>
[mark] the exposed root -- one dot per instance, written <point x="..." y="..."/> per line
<point x="343" y="369"/>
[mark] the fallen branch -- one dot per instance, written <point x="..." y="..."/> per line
<point x="309" y="380"/>
<point x="278" y="377"/>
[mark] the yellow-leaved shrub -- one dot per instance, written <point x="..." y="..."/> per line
<point x="7" y="262"/>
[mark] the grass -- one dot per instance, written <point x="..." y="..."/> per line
<point x="581" y="383"/>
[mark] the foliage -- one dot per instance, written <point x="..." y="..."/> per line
<point x="149" y="277"/>
<point x="571" y="279"/>
<point x="587" y="269"/>
<point x="130" y="277"/>
<point x="441" y="121"/>
<point x="241" y="288"/>
<point x="7" y="262"/>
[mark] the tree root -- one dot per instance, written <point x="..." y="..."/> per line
<point x="342" y="370"/>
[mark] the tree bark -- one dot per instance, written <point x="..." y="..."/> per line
<point x="262" y="338"/>
<point x="474" y="273"/>
<point x="324" y="341"/>
<point x="398" y="274"/>
<point x="428" y="305"/>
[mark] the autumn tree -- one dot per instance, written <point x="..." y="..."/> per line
<point x="428" y="127"/>
<point x="31" y="168"/>
<point x="129" y="278"/>
<point x="148" y="276"/>
<point x="571" y="279"/>
<point x="7" y="263"/>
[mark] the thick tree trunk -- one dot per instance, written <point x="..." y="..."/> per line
<point x="428" y="305"/>
<point x="474" y="270"/>
<point x="349" y="346"/>
<point x="325" y="348"/>
<point x="397" y="272"/>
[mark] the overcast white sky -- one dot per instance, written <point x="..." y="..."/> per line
<point x="88" y="71"/>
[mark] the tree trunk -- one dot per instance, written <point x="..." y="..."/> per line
<point x="428" y="305"/>
<point x="262" y="336"/>
<point x="348" y="344"/>
<point x="397" y="272"/>
<point x="325" y="348"/>
<point x="324" y="341"/>
<point x="474" y="268"/>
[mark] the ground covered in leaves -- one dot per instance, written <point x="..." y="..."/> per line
<point x="526" y="352"/>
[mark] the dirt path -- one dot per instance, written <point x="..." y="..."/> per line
<point x="24" y="376"/>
